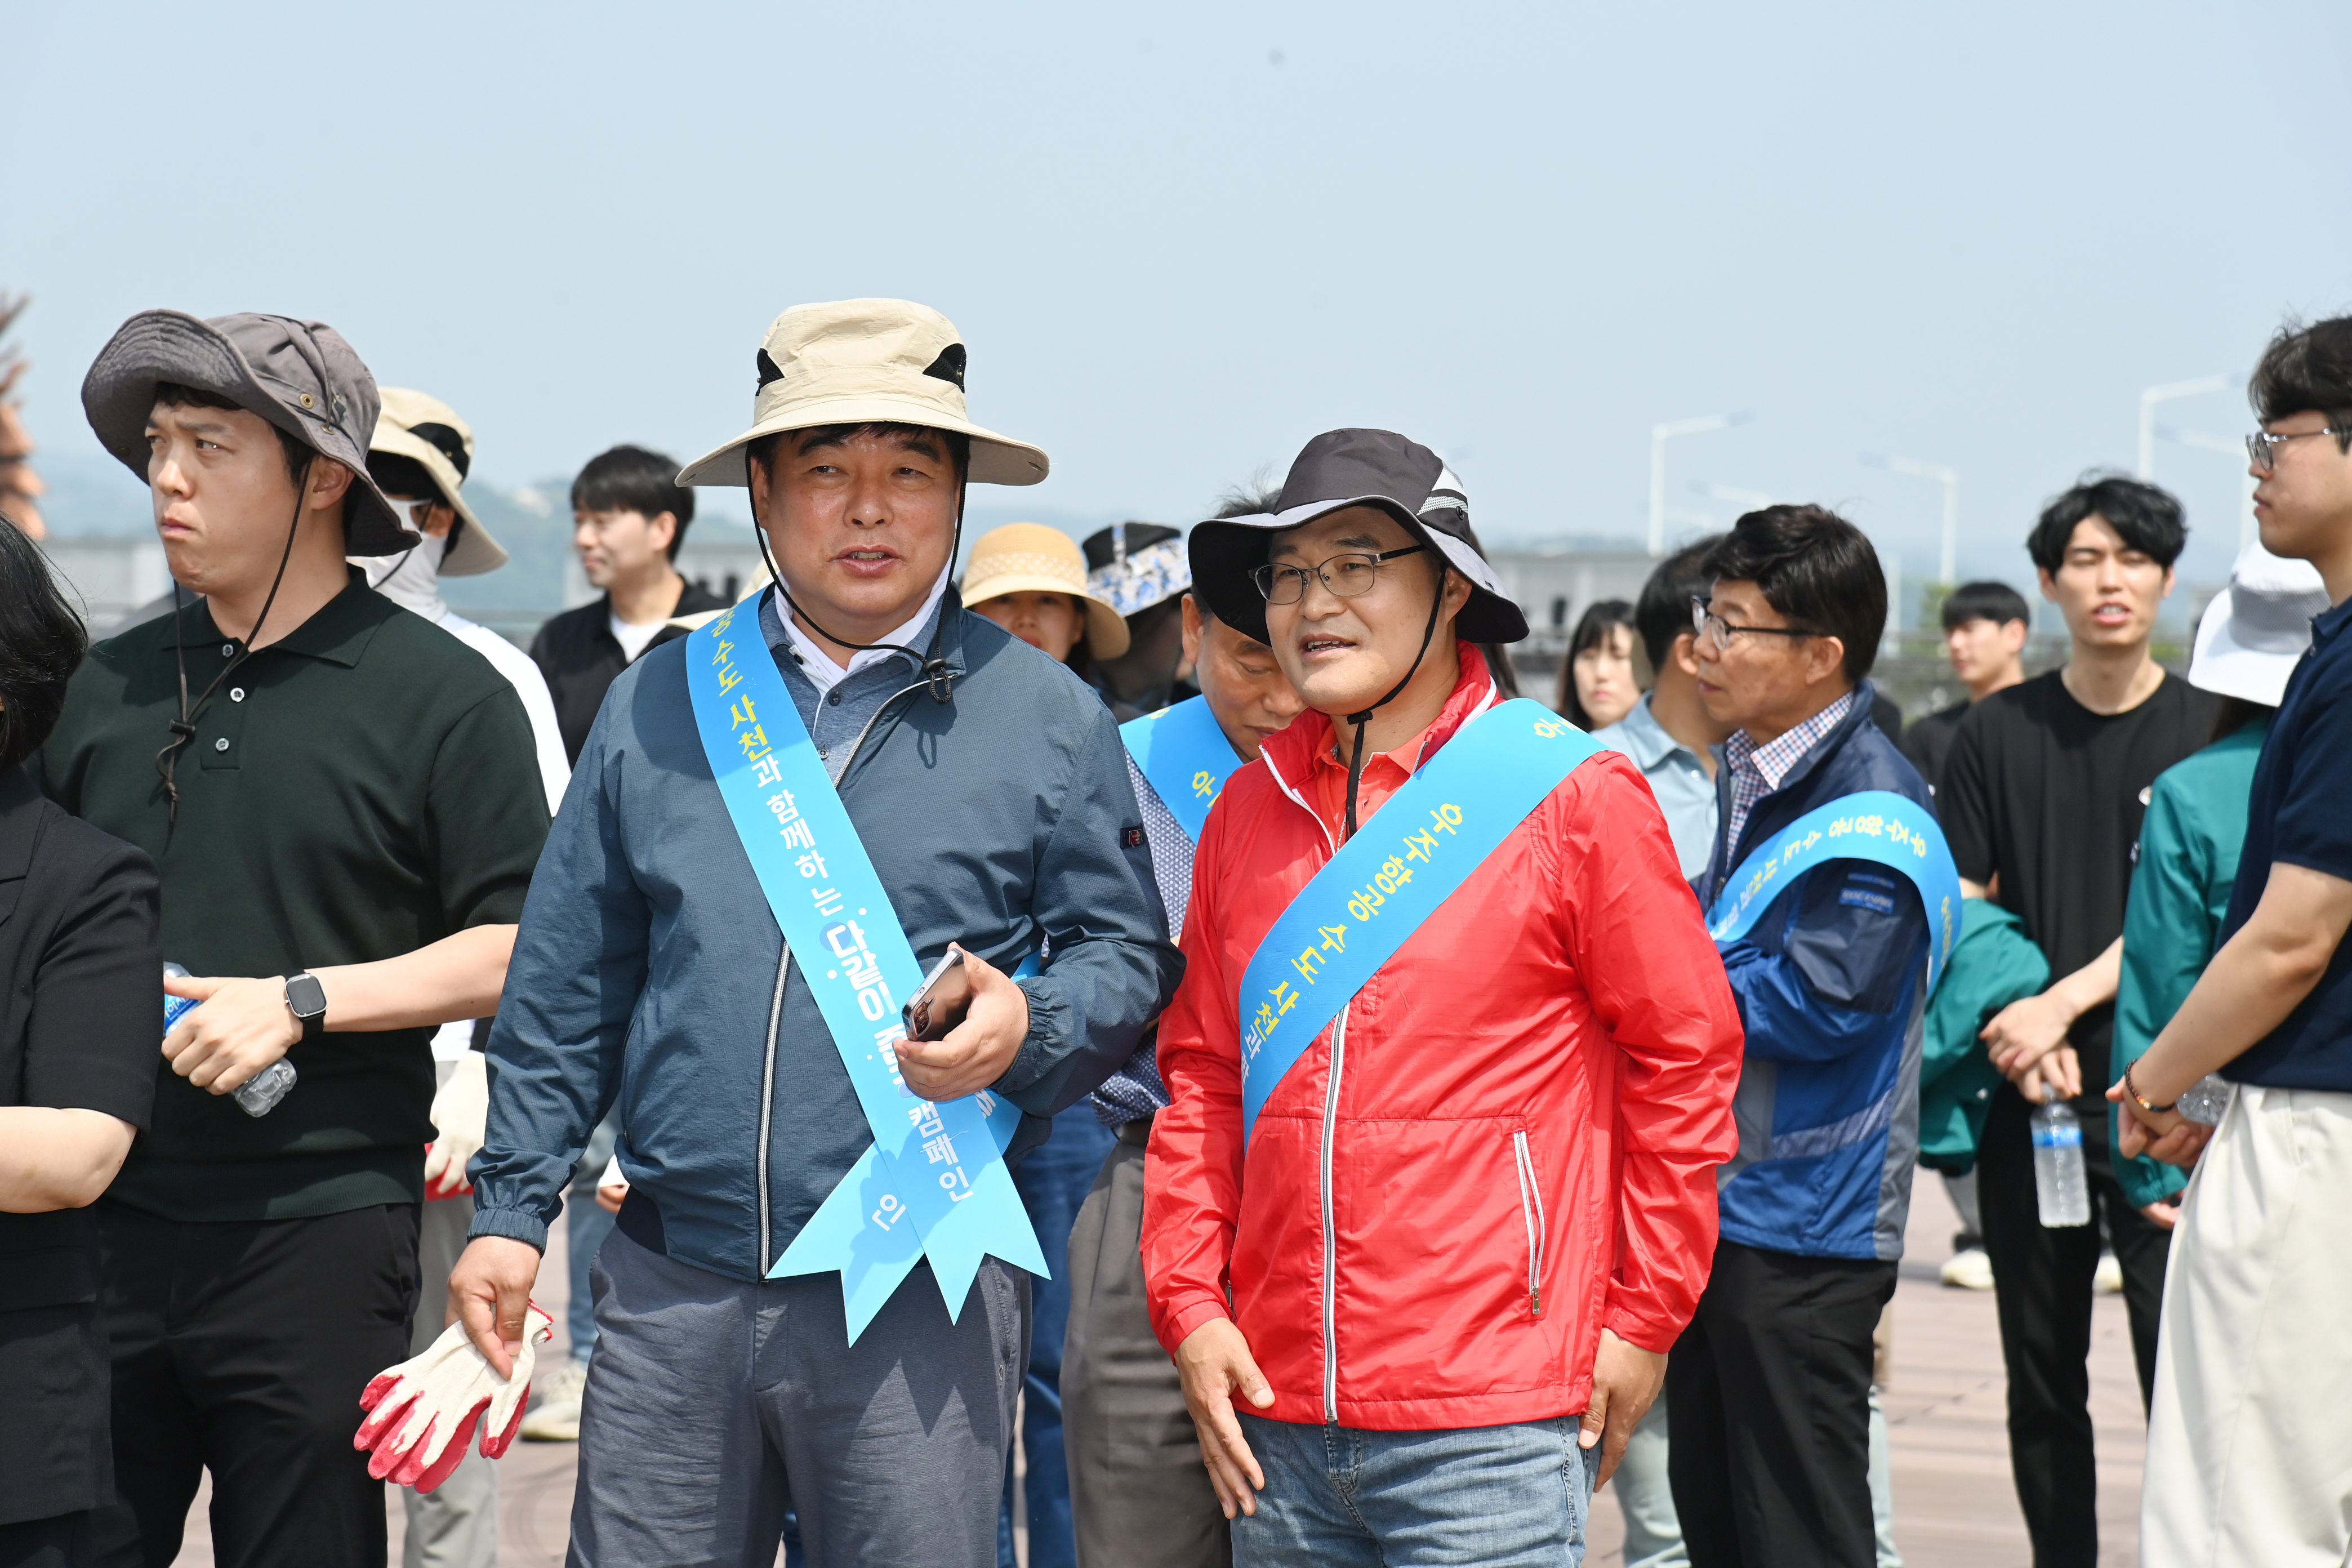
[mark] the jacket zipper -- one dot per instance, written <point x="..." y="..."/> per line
<point x="1330" y="1238"/>
<point x="1531" y="1211"/>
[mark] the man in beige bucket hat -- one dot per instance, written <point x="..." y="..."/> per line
<point x="981" y="795"/>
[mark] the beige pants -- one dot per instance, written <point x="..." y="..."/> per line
<point x="2249" y="1436"/>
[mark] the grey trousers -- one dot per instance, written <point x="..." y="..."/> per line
<point x="455" y="1525"/>
<point x="713" y="1406"/>
<point x="1140" y="1496"/>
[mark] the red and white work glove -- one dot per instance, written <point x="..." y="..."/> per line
<point x="461" y="1109"/>
<point x="421" y="1412"/>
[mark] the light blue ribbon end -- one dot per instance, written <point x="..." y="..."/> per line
<point x="840" y="1237"/>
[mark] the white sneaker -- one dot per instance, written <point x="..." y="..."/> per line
<point x="2109" y="1277"/>
<point x="554" y="1416"/>
<point x="1969" y="1270"/>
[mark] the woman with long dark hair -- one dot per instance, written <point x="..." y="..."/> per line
<point x="82" y="1015"/>
<point x="1604" y="673"/>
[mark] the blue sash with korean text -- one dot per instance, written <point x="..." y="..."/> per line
<point x="1371" y="896"/>
<point x="1875" y="824"/>
<point x="1186" y="758"/>
<point x="934" y="1183"/>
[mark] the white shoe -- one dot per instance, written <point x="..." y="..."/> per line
<point x="1969" y="1270"/>
<point x="2109" y="1277"/>
<point x="554" y="1416"/>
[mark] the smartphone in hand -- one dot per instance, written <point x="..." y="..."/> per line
<point x="940" y="1003"/>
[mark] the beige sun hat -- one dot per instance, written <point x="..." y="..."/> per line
<point x="427" y="431"/>
<point x="1030" y="558"/>
<point x="856" y="361"/>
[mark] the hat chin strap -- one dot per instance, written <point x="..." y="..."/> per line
<point x="1356" y="759"/>
<point x="184" y="727"/>
<point x="936" y="674"/>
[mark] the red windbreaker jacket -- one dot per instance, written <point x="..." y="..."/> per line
<point x="1507" y="1142"/>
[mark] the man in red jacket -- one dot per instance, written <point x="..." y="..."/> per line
<point x="1416" y="1245"/>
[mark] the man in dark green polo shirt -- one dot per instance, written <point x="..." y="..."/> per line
<point x="345" y="805"/>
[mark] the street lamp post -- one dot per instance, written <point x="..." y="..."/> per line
<point x="1947" y="563"/>
<point x="1659" y="435"/>
<point x="1746" y="500"/>
<point x="2150" y="397"/>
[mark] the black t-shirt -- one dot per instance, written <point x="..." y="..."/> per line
<point x="581" y="659"/>
<point x="2049" y="795"/>
<point x="1928" y="742"/>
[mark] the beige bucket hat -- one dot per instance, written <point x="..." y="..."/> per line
<point x="427" y="431"/>
<point x="856" y="361"/>
<point x="1030" y="558"/>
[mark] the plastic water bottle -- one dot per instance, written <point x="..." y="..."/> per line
<point x="2207" y="1098"/>
<point x="256" y="1096"/>
<point x="2059" y="1182"/>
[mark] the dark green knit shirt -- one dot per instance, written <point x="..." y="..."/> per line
<point x="356" y="791"/>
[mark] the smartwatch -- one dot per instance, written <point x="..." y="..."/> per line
<point x="306" y="1000"/>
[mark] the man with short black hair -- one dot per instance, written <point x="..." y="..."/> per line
<point x="1670" y="735"/>
<point x="346" y="815"/>
<point x="2251" y="1416"/>
<point x="2043" y="795"/>
<point x="1985" y="628"/>
<point x="629" y="517"/>
<point x="1831" y="901"/>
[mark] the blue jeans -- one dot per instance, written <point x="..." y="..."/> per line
<point x="1053" y="1181"/>
<point x="585" y="1226"/>
<point x="1336" y="1497"/>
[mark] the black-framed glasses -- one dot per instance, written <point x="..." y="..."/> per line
<point x="1717" y="632"/>
<point x="1345" y="576"/>
<point x="2262" y="447"/>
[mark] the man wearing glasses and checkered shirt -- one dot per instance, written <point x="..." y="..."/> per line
<point x="1770" y="1386"/>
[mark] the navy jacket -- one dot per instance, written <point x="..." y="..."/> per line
<point x="645" y="967"/>
<point x="1831" y="987"/>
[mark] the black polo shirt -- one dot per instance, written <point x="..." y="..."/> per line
<point x="2297" y="817"/>
<point x="356" y="791"/>
<point x="581" y="659"/>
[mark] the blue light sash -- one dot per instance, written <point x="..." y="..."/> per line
<point x="1186" y="758"/>
<point x="1369" y="897"/>
<point x="1872" y="825"/>
<point x="934" y="1182"/>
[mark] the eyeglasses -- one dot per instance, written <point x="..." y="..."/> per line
<point x="1714" y="630"/>
<point x="1347" y="576"/>
<point x="2262" y="447"/>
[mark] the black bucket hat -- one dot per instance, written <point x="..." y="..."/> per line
<point x="1341" y="469"/>
<point x="301" y="376"/>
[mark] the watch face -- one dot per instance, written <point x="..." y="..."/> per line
<point x="306" y="996"/>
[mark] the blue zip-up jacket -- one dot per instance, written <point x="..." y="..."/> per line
<point x="645" y="968"/>
<point x="1831" y="985"/>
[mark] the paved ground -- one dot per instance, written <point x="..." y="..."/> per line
<point x="1954" y="1504"/>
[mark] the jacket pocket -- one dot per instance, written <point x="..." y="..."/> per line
<point x="1531" y="1210"/>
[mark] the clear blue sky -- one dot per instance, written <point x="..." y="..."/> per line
<point x="1179" y="240"/>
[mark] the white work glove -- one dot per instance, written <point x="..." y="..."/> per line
<point x="459" y="1112"/>
<point x="421" y="1412"/>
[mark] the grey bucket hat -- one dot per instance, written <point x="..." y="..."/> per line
<point x="1341" y="469"/>
<point x="301" y="376"/>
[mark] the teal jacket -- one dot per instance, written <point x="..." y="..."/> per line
<point x="2188" y="846"/>
<point x="1993" y="964"/>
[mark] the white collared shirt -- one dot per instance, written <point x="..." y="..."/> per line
<point x="817" y="664"/>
